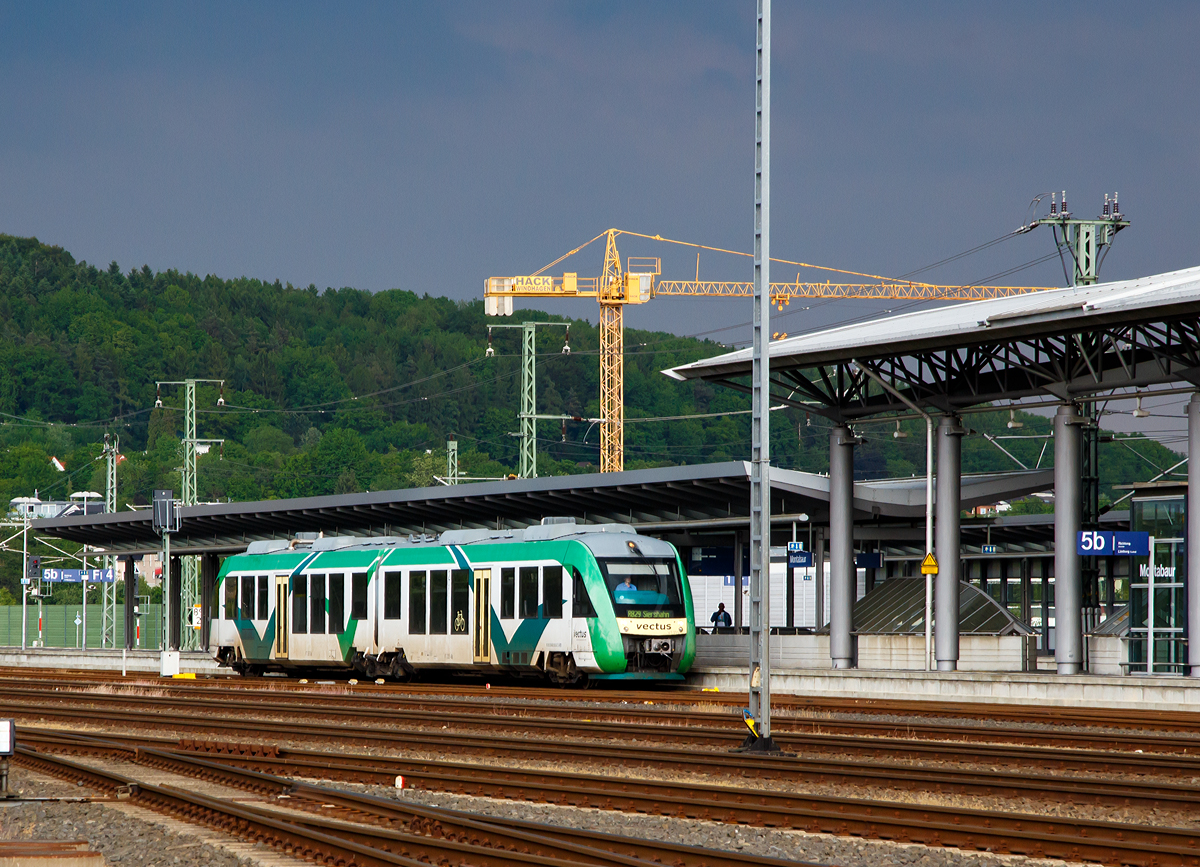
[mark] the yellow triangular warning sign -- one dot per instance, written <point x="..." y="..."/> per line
<point x="929" y="565"/>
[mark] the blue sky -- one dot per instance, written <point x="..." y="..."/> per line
<point x="427" y="146"/>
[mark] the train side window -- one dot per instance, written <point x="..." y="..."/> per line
<point x="508" y="593"/>
<point x="358" y="596"/>
<point x="529" y="592"/>
<point x="337" y="603"/>
<point x="231" y="588"/>
<point x="460" y="601"/>
<point x="581" y="602"/>
<point x="416" y="603"/>
<point x="437" y="601"/>
<point x="391" y="596"/>
<point x="552" y="592"/>
<point x="247" y="611"/>
<point x="316" y="605"/>
<point x="299" y="604"/>
<point x="264" y="598"/>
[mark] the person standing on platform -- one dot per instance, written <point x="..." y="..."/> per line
<point x="721" y="618"/>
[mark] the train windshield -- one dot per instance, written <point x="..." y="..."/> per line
<point x="644" y="587"/>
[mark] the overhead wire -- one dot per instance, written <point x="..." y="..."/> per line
<point x="977" y="249"/>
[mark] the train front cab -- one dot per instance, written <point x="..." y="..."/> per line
<point x="641" y="595"/>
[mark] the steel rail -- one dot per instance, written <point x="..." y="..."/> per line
<point x="412" y="693"/>
<point x="286" y="837"/>
<point x="1031" y="835"/>
<point x="543" y="841"/>
<point x="235" y="728"/>
<point x="707" y="729"/>
<point x="993" y="783"/>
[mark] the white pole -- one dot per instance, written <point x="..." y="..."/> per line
<point x="24" y="571"/>
<point x="928" y="540"/>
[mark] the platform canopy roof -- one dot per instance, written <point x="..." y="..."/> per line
<point x="689" y="499"/>
<point x="1064" y="343"/>
<point x="897" y="607"/>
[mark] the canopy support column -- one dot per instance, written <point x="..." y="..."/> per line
<point x="841" y="546"/>
<point x="948" y="546"/>
<point x="1068" y="518"/>
<point x="1193" y="536"/>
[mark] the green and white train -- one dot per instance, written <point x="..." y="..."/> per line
<point x="563" y="601"/>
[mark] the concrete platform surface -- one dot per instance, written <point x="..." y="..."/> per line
<point x="140" y="661"/>
<point x="1082" y="690"/>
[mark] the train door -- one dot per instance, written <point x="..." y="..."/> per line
<point x="282" y="630"/>
<point x="460" y="645"/>
<point x="483" y="616"/>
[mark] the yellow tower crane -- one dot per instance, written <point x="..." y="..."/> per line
<point x="637" y="283"/>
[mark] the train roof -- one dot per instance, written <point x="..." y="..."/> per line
<point x="550" y="529"/>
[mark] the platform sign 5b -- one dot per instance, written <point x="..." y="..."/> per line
<point x="1101" y="543"/>
<point x="76" y="576"/>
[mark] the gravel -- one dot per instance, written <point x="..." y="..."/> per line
<point x="761" y="842"/>
<point x="127" y="841"/>
<point x="123" y="840"/>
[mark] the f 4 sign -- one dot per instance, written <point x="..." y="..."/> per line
<point x="1100" y="543"/>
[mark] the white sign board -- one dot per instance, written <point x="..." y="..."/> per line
<point x="8" y="736"/>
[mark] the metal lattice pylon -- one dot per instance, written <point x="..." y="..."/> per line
<point x="189" y="591"/>
<point x="528" y="467"/>
<point x="108" y="589"/>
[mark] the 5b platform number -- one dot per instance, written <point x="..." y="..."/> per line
<point x="1094" y="542"/>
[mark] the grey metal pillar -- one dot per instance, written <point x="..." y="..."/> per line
<point x="1192" y="554"/>
<point x="1045" y="579"/>
<point x="948" y="546"/>
<point x="790" y="593"/>
<point x="819" y="578"/>
<point x="174" y="587"/>
<point x="131" y="589"/>
<point x="1026" y="590"/>
<point x="738" y="575"/>
<point x="760" y="424"/>
<point x="841" y="547"/>
<point x="1068" y="518"/>
<point x="210" y="565"/>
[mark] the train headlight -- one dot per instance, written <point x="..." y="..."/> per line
<point x="658" y="645"/>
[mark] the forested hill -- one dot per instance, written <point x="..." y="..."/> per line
<point x="343" y="390"/>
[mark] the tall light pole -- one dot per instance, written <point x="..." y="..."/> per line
<point x="190" y="589"/>
<point x="759" y="718"/>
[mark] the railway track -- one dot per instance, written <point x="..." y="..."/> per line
<point x="628" y="723"/>
<point x="321" y="823"/>
<point x="588" y="748"/>
<point x="372" y="768"/>
<point x="1139" y="719"/>
<point x="996" y="831"/>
